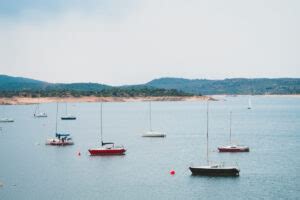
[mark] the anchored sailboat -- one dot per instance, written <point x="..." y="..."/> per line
<point x="6" y="119"/>
<point x="152" y="133"/>
<point x="233" y="147"/>
<point x="61" y="139"/>
<point x="37" y="112"/>
<point x="68" y="116"/>
<point x="107" y="148"/>
<point x="249" y="104"/>
<point x="213" y="170"/>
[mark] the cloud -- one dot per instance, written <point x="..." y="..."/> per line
<point x="134" y="42"/>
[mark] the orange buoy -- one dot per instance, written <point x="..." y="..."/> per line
<point x="172" y="172"/>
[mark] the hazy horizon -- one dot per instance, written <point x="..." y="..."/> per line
<point x="131" y="42"/>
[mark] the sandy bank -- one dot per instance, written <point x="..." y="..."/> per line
<point x="28" y="100"/>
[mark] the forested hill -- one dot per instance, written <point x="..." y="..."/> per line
<point x="19" y="86"/>
<point x="230" y="86"/>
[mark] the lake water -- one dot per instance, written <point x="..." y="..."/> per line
<point x="271" y="170"/>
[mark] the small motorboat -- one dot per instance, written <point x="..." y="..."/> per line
<point x="60" y="140"/>
<point x="215" y="170"/>
<point x="5" y="119"/>
<point x="233" y="148"/>
<point x="154" y="134"/>
<point x="68" y="117"/>
<point x="107" y="148"/>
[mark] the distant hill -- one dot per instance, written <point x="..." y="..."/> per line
<point x="9" y="83"/>
<point x="18" y="86"/>
<point x="10" y="86"/>
<point x="230" y="86"/>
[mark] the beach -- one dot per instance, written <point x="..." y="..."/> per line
<point x="30" y="100"/>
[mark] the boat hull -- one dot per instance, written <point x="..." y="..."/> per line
<point x="103" y="152"/>
<point x="154" y="134"/>
<point x="203" y="171"/>
<point x="68" y="118"/>
<point x="233" y="149"/>
<point x="56" y="142"/>
<point x="6" y="120"/>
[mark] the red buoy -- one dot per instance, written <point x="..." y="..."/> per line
<point x="172" y="172"/>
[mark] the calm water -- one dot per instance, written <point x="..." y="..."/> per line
<point x="31" y="170"/>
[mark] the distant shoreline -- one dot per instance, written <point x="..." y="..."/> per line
<point x="30" y="100"/>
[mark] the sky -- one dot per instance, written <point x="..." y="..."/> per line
<point x="120" y="42"/>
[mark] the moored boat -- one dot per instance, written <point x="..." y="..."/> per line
<point x="61" y="139"/>
<point x="39" y="114"/>
<point x="106" y="148"/>
<point x="213" y="170"/>
<point x="154" y="134"/>
<point x="233" y="148"/>
<point x="68" y="116"/>
<point x="151" y="133"/>
<point x="5" y="119"/>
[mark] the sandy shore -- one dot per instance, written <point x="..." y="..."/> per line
<point x="28" y="100"/>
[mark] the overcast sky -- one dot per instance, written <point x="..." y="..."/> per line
<point x="133" y="41"/>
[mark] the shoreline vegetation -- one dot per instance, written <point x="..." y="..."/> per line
<point x="38" y="100"/>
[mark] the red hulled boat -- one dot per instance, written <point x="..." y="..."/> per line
<point x="107" y="148"/>
<point x="233" y="148"/>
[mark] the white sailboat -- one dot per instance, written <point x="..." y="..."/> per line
<point x="6" y="119"/>
<point x="60" y="139"/>
<point x="216" y="169"/>
<point x="37" y="112"/>
<point x="249" y="104"/>
<point x="151" y="132"/>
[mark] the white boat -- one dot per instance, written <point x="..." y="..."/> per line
<point x="152" y="133"/>
<point x="5" y="119"/>
<point x="249" y="104"/>
<point x="37" y="112"/>
<point x="213" y="169"/>
<point x="60" y="139"/>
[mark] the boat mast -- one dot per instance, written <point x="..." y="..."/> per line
<point x="230" y="119"/>
<point x="150" y="118"/>
<point x="56" y="117"/>
<point x="101" y="129"/>
<point x="66" y="108"/>
<point x="207" y="133"/>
